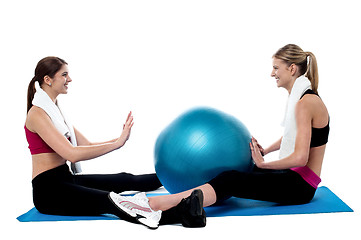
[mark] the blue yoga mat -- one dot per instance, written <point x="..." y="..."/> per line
<point x="325" y="201"/>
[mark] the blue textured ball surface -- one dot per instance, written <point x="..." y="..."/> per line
<point x="199" y="145"/>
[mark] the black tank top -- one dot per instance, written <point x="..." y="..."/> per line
<point x="319" y="135"/>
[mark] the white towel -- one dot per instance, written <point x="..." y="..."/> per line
<point x="301" y="85"/>
<point x="62" y="124"/>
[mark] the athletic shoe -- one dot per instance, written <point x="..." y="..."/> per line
<point x="137" y="207"/>
<point x="191" y="210"/>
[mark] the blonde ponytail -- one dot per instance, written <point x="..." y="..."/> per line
<point x="312" y="71"/>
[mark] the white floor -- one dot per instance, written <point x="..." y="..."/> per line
<point x="160" y="57"/>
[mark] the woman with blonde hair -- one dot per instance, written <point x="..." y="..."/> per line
<point x="294" y="177"/>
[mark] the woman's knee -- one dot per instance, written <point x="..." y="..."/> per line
<point x="223" y="183"/>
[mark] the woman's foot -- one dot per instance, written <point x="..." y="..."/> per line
<point x="138" y="208"/>
<point x="191" y="210"/>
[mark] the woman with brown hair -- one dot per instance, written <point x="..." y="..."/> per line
<point x="294" y="177"/>
<point x="53" y="142"/>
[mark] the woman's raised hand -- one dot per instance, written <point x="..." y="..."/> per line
<point x="257" y="152"/>
<point x="127" y="127"/>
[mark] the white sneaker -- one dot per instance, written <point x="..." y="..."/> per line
<point x="137" y="206"/>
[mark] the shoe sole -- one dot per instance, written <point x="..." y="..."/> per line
<point x="197" y="209"/>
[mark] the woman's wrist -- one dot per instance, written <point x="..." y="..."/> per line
<point x="266" y="151"/>
<point x="118" y="143"/>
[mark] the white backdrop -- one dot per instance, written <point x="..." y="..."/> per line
<point x="159" y="58"/>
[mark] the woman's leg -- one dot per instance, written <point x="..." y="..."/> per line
<point x="65" y="198"/>
<point x="55" y="192"/>
<point x="119" y="182"/>
<point x="285" y="187"/>
<point x="166" y="202"/>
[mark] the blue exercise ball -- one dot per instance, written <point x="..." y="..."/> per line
<point x="199" y="145"/>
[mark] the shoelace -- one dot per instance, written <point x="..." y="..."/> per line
<point x="139" y="204"/>
<point x="142" y="198"/>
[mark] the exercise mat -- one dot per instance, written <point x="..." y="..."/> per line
<point x="324" y="201"/>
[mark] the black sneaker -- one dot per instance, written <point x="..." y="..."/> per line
<point x="191" y="210"/>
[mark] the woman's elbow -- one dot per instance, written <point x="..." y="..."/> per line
<point x="70" y="155"/>
<point x="301" y="160"/>
<point x="73" y="159"/>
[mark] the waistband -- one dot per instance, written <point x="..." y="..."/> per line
<point x="308" y="175"/>
<point x="58" y="173"/>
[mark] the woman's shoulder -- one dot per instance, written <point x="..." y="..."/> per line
<point x="312" y="105"/>
<point x="35" y="117"/>
<point x="311" y="100"/>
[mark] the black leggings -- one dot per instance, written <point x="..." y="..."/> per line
<point x="58" y="192"/>
<point x="280" y="186"/>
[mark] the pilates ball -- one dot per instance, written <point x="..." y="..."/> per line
<point x="198" y="145"/>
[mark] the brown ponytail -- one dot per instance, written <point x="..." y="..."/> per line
<point x="48" y="66"/>
<point x="31" y="92"/>
<point x="293" y="54"/>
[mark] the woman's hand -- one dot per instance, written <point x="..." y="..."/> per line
<point x="127" y="127"/>
<point x="257" y="152"/>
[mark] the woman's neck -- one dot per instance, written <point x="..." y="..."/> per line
<point x="50" y="92"/>
<point x="290" y="86"/>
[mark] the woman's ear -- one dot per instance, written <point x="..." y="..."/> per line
<point x="293" y="69"/>
<point x="47" y="80"/>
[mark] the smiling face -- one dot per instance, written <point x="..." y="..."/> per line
<point x="59" y="83"/>
<point x="62" y="79"/>
<point x="284" y="74"/>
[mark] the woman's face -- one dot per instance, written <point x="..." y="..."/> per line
<point x="60" y="80"/>
<point x="282" y="73"/>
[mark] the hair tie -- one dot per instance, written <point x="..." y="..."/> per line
<point x="308" y="57"/>
<point x="37" y="86"/>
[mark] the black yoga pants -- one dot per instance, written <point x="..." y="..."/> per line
<point x="59" y="192"/>
<point x="280" y="186"/>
